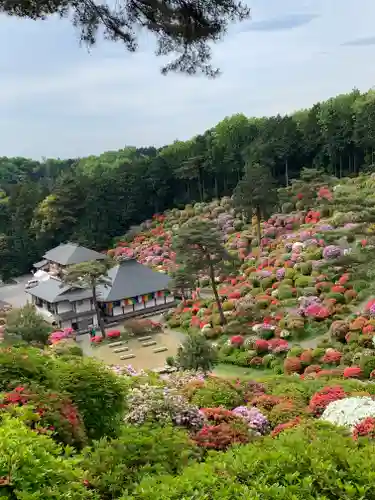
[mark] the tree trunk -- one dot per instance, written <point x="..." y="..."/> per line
<point x="286" y="173"/>
<point x="98" y="312"/>
<point x="259" y="232"/>
<point x="216" y="188"/>
<point x="340" y="172"/>
<point x="214" y="289"/>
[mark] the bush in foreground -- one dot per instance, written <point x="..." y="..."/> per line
<point x="314" y="461"/>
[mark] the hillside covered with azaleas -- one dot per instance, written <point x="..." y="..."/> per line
<point x="311" y="278"/>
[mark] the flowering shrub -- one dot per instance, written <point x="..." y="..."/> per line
<point x="284" y="412"/>
<point x="352" y="372"/>
<point x="321" y="399"/>
<point x="292" y="365"/>
<point x="97" y="339"/>
<point x="219" y="415"/>
<point x="332" y="357"/>
<point x="222" y="436"/>
<point x="266" y="402"/>
<point x="332" y="252"/>
<point x="237" y="340"/>
<point x="163" y="405"/>
<point x="113" y="334"/>
<point x="261" y="345"/>
<point x="349" y="411"/>
<point x="365" y="428"/>
<point x="277" y="346"/>
<point x="253" y="417"/>
<point x="286" y="425"/>
<point x="53" y="412"/>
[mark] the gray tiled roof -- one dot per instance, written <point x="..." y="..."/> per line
<point x="52" y="291"/>
<point x="70" y="253"/>
<point x="130" y="279"/>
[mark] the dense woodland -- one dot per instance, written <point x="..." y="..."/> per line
<point x="92" y="200"/>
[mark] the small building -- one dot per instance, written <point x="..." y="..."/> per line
<point x="65" y="306"/>
<point x="135" y="289"/>
<point x="64" y="255"/>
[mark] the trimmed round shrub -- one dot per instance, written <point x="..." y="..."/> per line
<point x="97" y="392"/>
<point x="216" y="392"/>
<point x="292" y="365"/>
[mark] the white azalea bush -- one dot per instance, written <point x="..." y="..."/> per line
<point x="162" y="405"/>
<point x="349" y="412"/>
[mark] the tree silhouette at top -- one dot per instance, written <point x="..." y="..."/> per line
<point x="182" y="27"/>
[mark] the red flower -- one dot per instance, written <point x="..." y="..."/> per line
<point x="299" y="196"/>
<point x="287" y="425"/>
<point x="321" y="399"/>
<point x="365" y="428"/>
<point x="332" y="357"/>
<point x="261" y="345"/>
<point x="237" y="340"/>
<point x="352" y="372"/>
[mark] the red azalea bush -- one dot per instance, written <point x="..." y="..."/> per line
<point x="352" y="372"/>
<point x="333" y="373"/>
<point x="222" y="436"/>
<point x="332" y="357"/>
<point x="266" y="402"/>
<point x="261" y="346"/>
<point x="237" y="340"/>
<point x="55" y="413"/>
<point x="97" y="339"/>
<point x="287" y="425"/>
<point x="321" y="399"/>
<point x="113" y="334"/>
<point x="219" y="415"/>
<point x="365" y="428"/>
<point x="292" y="365"/>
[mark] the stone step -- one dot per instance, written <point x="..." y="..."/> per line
<point x="116" y="344"/>
<point x="148" y="344"/>
<point x="142" y="339"/>
<point x="160" y="349"/>
<point x="121" y="349"/>
<point x="127" y="356"/>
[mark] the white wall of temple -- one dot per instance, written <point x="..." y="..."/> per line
<point x="84" y="305"/>
<point x="63" y="307"/>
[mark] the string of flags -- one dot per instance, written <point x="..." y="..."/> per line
<point x="140" y="299"/>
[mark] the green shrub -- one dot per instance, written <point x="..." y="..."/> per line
<point x="367" y="364"/>
<point x="309" y="462"/>
<point x="284" y="293"/>
<point x="339" y="297"/>
<point x="305" y="268"/>
<point x="37" y="467"/>
<point x="360" y="285"/>
<point x="117" y="465"/>
<point x="98" y="394"/>
<point x="303" y="281"/>
<point x="266" y="283"/>
<point x="295" y="351"/>
<point x="25" y="366"/>
<point x="216" y="392"/>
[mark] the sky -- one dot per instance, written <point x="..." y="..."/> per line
<point x="57" y="99"/>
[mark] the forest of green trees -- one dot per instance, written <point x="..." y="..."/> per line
<point x="91" y="200"/>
